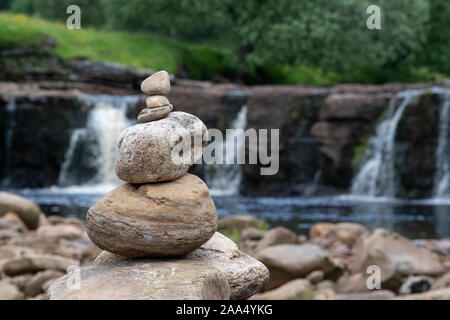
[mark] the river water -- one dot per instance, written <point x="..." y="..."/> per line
<point x="413" y="219"/>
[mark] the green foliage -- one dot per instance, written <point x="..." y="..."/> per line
<point x="5" y="4"/>
<point x="131" y="49"/>
<point x="436" y="52"/>
<point x="319" y="42"/>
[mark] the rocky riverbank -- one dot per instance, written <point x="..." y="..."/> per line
<point x="331" y="263"/>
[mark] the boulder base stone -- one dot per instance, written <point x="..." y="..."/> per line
<point x="144" y="152"/>
<point x="143" y="279"/>
<point x="245" y="275"/>
<point x="154" y="220"/>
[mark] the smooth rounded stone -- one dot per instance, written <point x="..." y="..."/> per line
<point x="61" y="231"/>
<point x="239" y="223"/>
<point x="8" y="291"/>
<point x="396" y="256"/>
<point x="352" y="283"/>
<point x="12" y="221"/>
<point x="442" y="282"/>
<point x="144" y="279"/>
<point x="368" y="295"/>
<point x="277" y="235"/>
<point x="315" y="276"/>
<point x="150" y="152"/>
<point x="156" y="101"/>
<point x="289" y="261"/>
<point x="299" y="289"/>
<point x="154" y="220"/>
<point x="440" y="294"/>
<point x="34" y="286"/>
<point x="344" y="232"/>
<point x="245" y="275"/>
<point x="153" y="114"/>
<point x="324" y="294"/>
<point x="28" y="211"/>
<point x="37" y="262"/>
<point x="416" y="284"/>
<point x="157" y="84"/>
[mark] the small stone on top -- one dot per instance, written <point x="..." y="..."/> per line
<point x="157" y="84"/>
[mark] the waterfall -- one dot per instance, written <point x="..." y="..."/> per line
<point x="377" y="175"/>
<point x="90" y="157"/>
<point x="442" y="176"/>
<point x="11" y="112"/>
<point x="225" y="179"/>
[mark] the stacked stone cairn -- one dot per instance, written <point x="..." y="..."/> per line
<point x="158" y="229"/>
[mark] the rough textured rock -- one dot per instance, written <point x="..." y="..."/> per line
<point x="287" y="261"/>
<point x="396" y="256"/>
<point x="156" y="101"/>
<point x="245" y="275"/>
<point x="28" y="211"/>
<point x="153" y="114"/>
<point x="159" y="219"/>
<point x="8" y="291"/>
<point x="145" y="150"/>
<point x="277" y="235"/>
<point x="299" y="289"/>
<point x="144" y="279"/>
<point x="158" y="84"/>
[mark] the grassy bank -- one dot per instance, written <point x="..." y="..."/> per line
<point x="203" y="62"/>
<point x="140" y="50"/>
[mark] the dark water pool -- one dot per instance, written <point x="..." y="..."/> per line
<point x="414" y="219"/>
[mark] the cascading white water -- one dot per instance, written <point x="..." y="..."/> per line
<point x="441" y="187"/>
<point x="377" y="175"/>
<point x="97" y="141"/>
<point x="225" y="179"/>
<point x="11" y="111"/>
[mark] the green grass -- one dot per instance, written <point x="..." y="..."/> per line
<point x="140" y="50"/>
<point x="203" y="62"/>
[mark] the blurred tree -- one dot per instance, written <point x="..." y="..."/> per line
<point x="268" y="35"/>
<point x="436" y="51"/>
<point x="5" y="4"/>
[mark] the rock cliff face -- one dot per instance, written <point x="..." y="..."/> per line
<point x="323" y="132"/>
